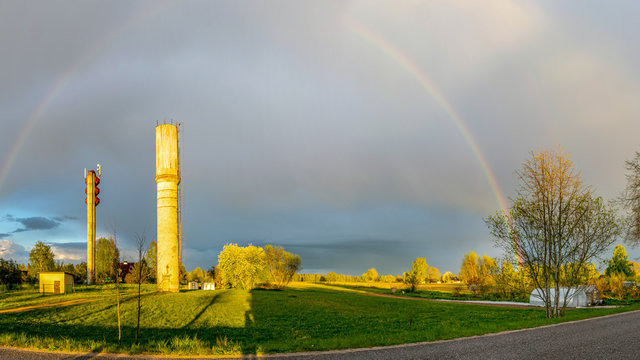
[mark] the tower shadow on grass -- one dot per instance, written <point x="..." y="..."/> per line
<point x="250" y="348"/>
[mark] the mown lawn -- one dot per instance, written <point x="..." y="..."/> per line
<point x="300" y="318"/>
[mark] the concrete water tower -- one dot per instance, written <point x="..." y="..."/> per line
<point x="168" y="181"/>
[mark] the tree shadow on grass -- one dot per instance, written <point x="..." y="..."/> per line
<point x="86" y="314"/>
<point x="199" y="314"/>
<point x="264" y="322"/>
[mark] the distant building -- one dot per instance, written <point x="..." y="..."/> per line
<point x="576" y="297"/>
<point x="56" y="283"/>
<point x="194" y="285"/>
<point x="125" y="268"/>
<point x="208" y="286"/>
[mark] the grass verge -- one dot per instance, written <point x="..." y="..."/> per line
<point x="231" y="322"/>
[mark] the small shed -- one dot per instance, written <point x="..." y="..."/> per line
<point x="194" y="285"/>
<point x="208" y="286"/>
<point x="576" y="297"/>
<point x="56" y="283"/>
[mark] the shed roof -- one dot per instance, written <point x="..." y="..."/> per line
<point x="55" y="272"/>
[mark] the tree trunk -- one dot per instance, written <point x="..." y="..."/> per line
<point x="118" y="308"/>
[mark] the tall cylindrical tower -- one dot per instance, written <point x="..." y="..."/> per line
<point x="167" y="180"/>
<point x="92" y="201"/>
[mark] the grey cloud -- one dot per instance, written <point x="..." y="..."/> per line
<point x="34" y="223"/>
<point x="69" y="251"/>
<point x="64" y="218"/>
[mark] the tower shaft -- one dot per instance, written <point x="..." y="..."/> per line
<point x="91" y="226"/>
<point x="167" y="180"/>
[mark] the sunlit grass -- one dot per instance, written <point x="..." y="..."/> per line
<point x="448" y="288"/>
<point x="303" y="317"/>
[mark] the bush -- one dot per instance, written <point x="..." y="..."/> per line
<point x="242" y="267"/>
<point x="282" y="265"/>
<point x="10" y="274"/>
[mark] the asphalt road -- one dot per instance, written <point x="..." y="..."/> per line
<point x="610" y="337"/>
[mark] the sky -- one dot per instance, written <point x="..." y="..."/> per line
<point x="356" y="134"/>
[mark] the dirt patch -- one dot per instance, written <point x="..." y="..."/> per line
<point x="42" y="306"/>
<point x="488" y="303"/>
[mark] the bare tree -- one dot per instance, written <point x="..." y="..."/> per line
<point x="630" y="199"/>
<point x="555" y="227"/>
<point x="141" y="272"/>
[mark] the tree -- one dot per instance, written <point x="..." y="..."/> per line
<point x="370" y="275"/>
<point x="41" y="259"/>
<point x="387" y="278"/>
<point x="417" y="274"/>
<point x="635" y="267"/>
<point x="616" y="284"/>
<point x="619" y="264"/>
<point x="630" y="199"/>
<point x="151" y="258"/>
<point x="197" y="275"/>
<point x="332" y="277"/>
<point x="511" y="284"/>
<point x="214" y="274"/>
<point x="447" y="277"/>
<point x="478" y="273"/>
<point x="282" y="265"/>
<point x="469" y="269"/>
<point x="107" y="259"/>
<point x="139" y="270"/>
<point x="182" y="275"/>
<point x="242" y="267"/>
<point x="10" y="274"/>
<point x="555" y="220"/>
<point x="140" y="274"/>
<point x="80" y="273"/>
<point x="487" y="270"/>
<point x="433" y="274"/>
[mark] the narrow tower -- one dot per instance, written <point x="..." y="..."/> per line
<point x="91" y="180"/>
<point x="167" y="180"/>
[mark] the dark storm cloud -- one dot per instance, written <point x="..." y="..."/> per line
<point x="70" y="245"/>
<point x="3" y="235"/>
<point x="385" y="255"/>
<point x="37" y="222"/>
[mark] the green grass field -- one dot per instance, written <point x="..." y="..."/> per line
<point x="303" y="317"/>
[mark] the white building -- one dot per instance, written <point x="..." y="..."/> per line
<point x="576" y="297"/>
<point x="208" y="286"/>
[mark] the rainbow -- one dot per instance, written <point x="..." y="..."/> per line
<point x="430" y="87"/>
<point x="138" y="16"/>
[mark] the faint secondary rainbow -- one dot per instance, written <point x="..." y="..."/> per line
<point x="142" y="14"/>
<point x="428" y="85"/>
